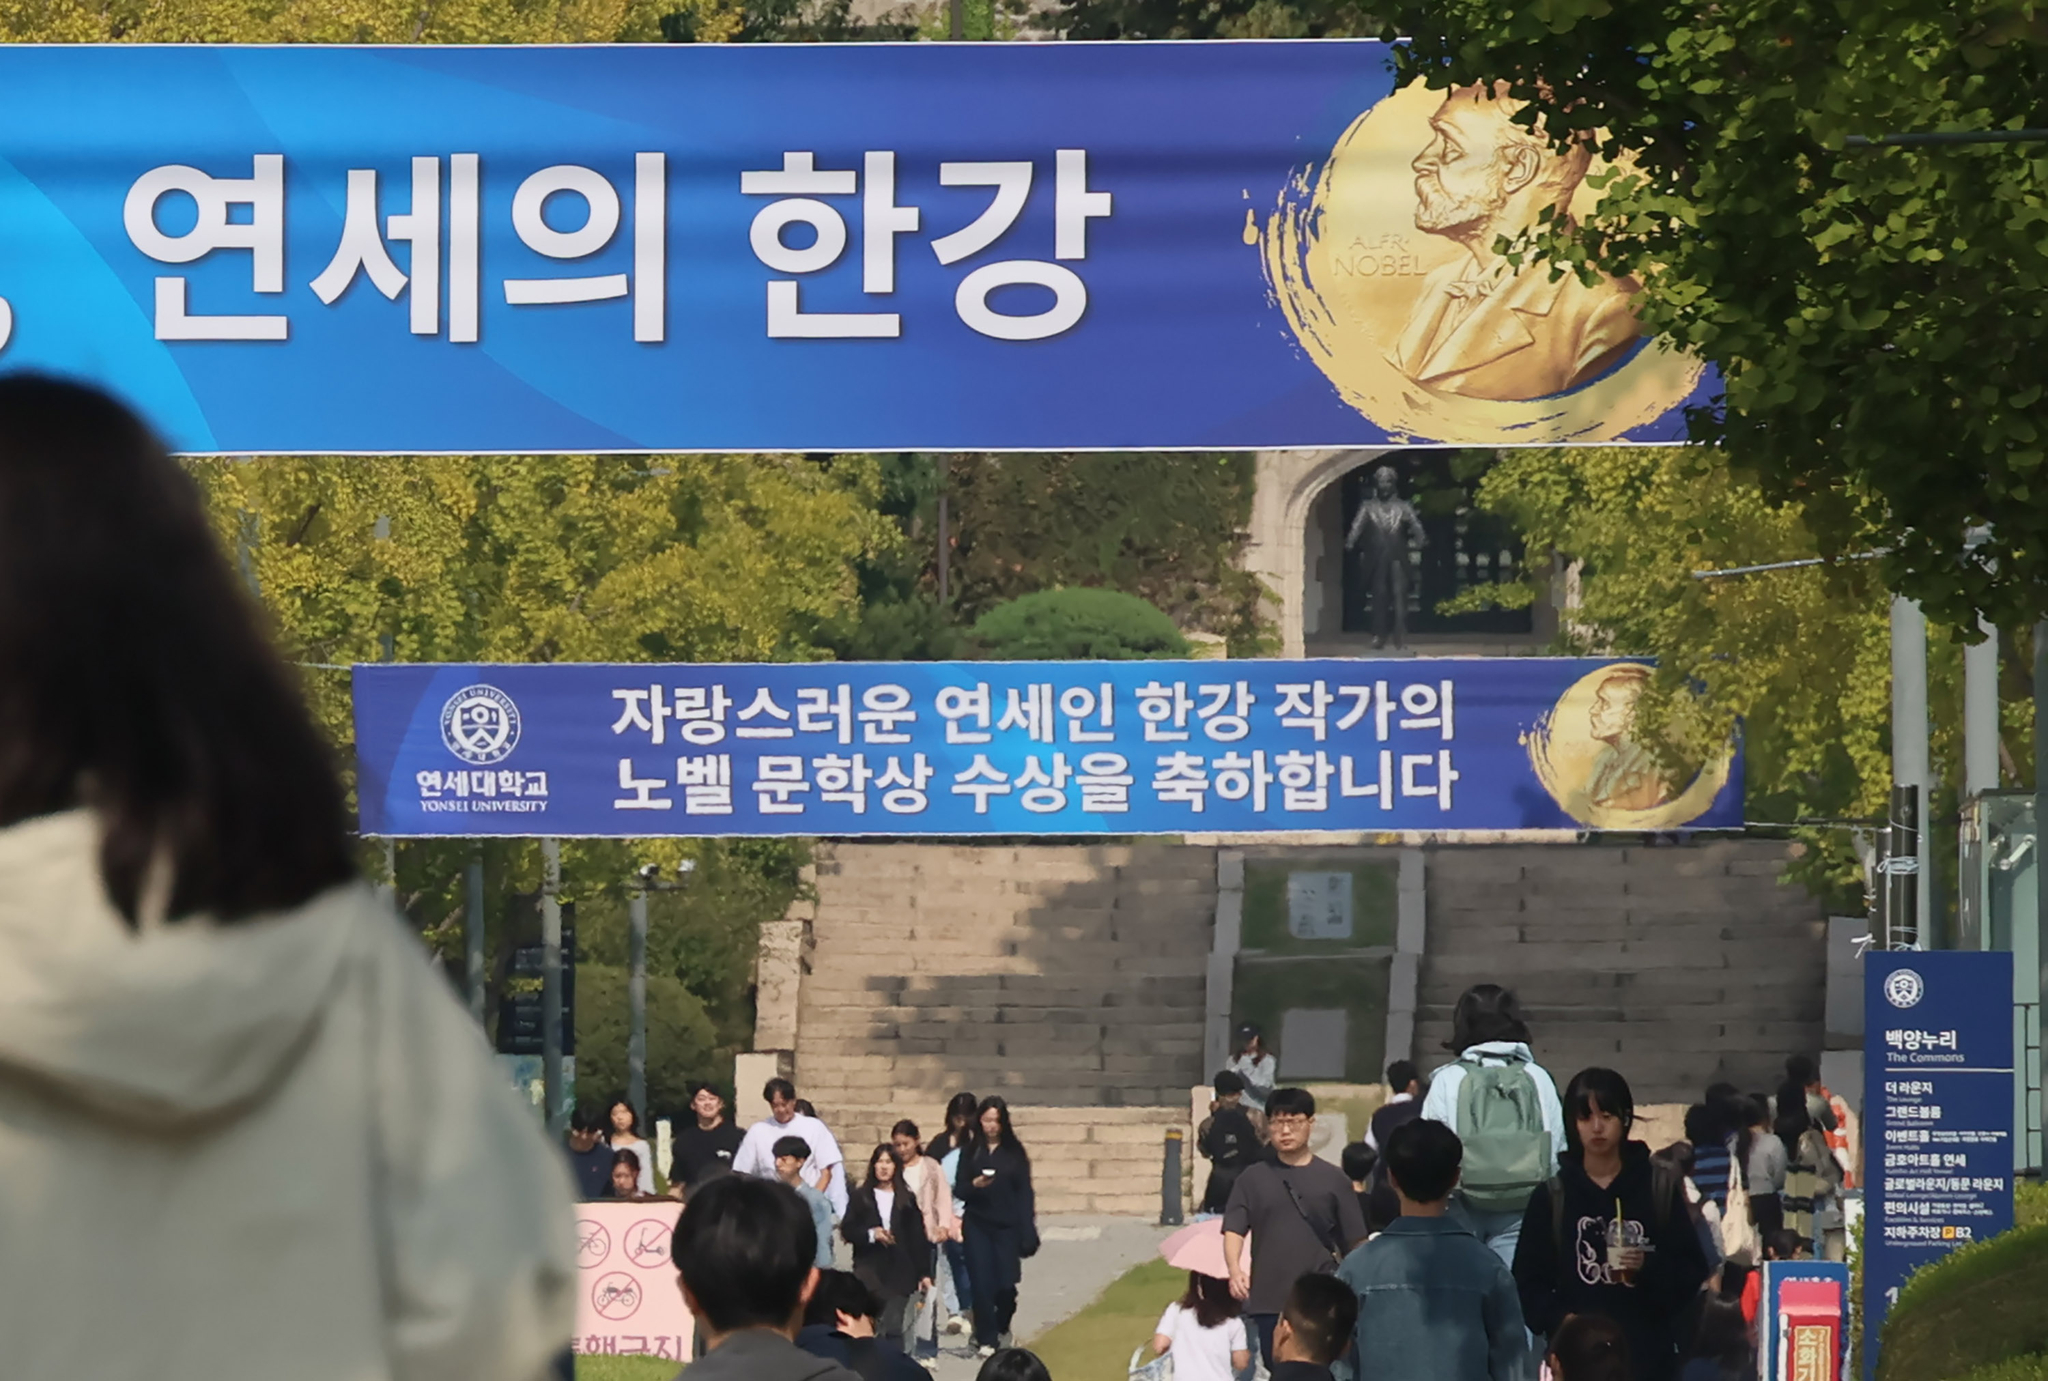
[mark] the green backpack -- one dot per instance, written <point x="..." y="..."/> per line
<point x="1508" y="1150"/>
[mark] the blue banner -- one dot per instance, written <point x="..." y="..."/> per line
<point x="1018" y="748"/>
<point x="1937" y="1115"/>
<point x="802" y="247"/>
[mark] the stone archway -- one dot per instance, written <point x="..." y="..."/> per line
<point x="1282" y="551"/>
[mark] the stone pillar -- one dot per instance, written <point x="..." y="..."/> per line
<point x="1223" y="960"/>
<point x="780" y="957"/>
<point x="1287" y="486"/>
<point x="1404" y="981"/>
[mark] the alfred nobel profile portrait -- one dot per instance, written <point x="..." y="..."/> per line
<point x="1481" y="328"/>
<point x="1625" y="776"/>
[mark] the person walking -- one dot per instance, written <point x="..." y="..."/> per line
<point x="744" y="1249"/>
<point x="1609" y="1234"/>
<point x="1505" y="1110"/>
<point x="305" y="1153"/>
<point x="1765" y="1164"/>
<point x="590" y="1160"/>
<point x="625" y="1177"/>
<point x="1302" y="1213"/>
<point x="934" y="1194"/>
<point x="946" y="1148"/>
<point x="1228" y="1139"/>
<point x="1811" y="1174"/>
<point x="1589" y="1347"/>
<point x="1204" y="1330"/>
<point x="708" y="1145"/>
<point x="1250" y="1062"/>
<point x="624" y="1135"/>
<point x="1000" y="1221"/>
<point x="1434" y="1302"/>
<point x="891" y="1253"/>
<point x="792" y="1154"/>
<point x="1316" y="1322"/>
<point x="824" y="1171"/>
<point x="839" y="1324"/>
<point x="1403" y="1105"/>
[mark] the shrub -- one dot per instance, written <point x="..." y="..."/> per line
<point x="1059" y="625"/>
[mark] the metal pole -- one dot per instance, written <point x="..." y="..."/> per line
<point x="551" y="983"/>
<point x="636" y="999"/>
<point x="959" y="25"/>
<point x="1902" y="883"/>
<point x="1169" y="1182"/>
<point x="473" y="933"/>
<point x="2040" y="770"/>
<point x="1980" y="713"/>
<point x="945" y="535"/>
<point x="1909" y="740"/>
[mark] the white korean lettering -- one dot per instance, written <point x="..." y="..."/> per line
<point x="1041" y="791"/>
<point x="1238" y="776"/>
<point x="822" y="711"/>
<point x="1225" y="718"/>
<point x="1105" y="782"/>
<point x="642" y="789"/>
<point x="700" y="713"/>
<point x="764" y="704"/>
<point x="362" y="248"/>
<point x="1073" y="204"/>
<point x="981" y="780"/>
<point x="707" y="783"/>
<point x="1429" y="707"/>
<point x="881" y="221"/>
<point x="776" y="781"/>
<point x="1162" y="705"/>
<point x="843" y="779"/>
<point x="1077" y="703"/>
<point x="1445" y="775"/>
<point x="1382" y="788"/>
<point x="956" y="704"/>
<point x="262" y="235"/>
<point x="1180" y="779"/>
<point x="883" y="708"/>
<point x="904" y="793"/>
<point x="1030" y="710"/>
<point x="644" y="709"/>
<point x="799" y="184"/>
<point x="1361" y="701"/>
<point x="1304" y="780"/>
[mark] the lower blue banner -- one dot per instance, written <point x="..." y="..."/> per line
<point x="1019" y="748"/>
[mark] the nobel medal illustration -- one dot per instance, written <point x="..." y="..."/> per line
<point x="1385" y="260"/>
<point x="1586" y="755"/>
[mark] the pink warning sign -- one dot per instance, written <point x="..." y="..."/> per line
<point x="628" y="1302"/>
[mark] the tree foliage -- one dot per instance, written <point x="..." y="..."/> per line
<point x="1800" y="657"/>
<point x="1875" y="314"/>
<point x="1053" y="625"/>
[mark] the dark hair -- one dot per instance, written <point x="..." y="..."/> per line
<point x="1800" y="1070"/>
<point x="1678" y="1156"/>
<point x="804" y="1108"/>
<point x="1722" y="1335"/>
<point x="621" y="1101"/>
<point x="1358" y="1160"/>
<point x="1785" y="1244"/>
<point x="139" y="681"/>
<point x="1486" y="1012"/>
<point x="1228" y="1081"/>
<point x="1423" y="1158"/>
<point x="1701" y="1125"/>
<point x="1209" y="1299"/>
<point x="840" y="1292"/>
<point x="1013" y="1364"/>
<point x="626" y="1158"/>
<point x="745" y="1248"/>
<point x="778" y="1088"/>
<point x="1792" y="1121"/>
<point x="792" y="1146"/>
<point x="883" y="1152"/>
<point x="1589" y="1347"/>
<point x="1601" y="1089"/>
<point x="1400" y="1074"/>
<point x="1005" y="1137"/>
<point x="961" y="1105"/>
<point x="1246" y="1034"/>
<point x="588" y="1117"/>
<point x="907" y="1128"/>
<point x="1288" y="1102"/>
<point x="698" y="1086"/>
<point x="1321" y="1311"/>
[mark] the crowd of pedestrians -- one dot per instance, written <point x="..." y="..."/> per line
<point x="931" y="1232"/>
<point x="1487" y="1226"/>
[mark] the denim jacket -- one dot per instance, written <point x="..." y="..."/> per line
<point x="1434" y="1304"/>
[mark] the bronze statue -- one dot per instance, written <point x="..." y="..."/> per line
<point x="1393" y="529"/>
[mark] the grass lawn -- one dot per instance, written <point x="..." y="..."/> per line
<point x="1095" y="1345"/>
<point x="627" y="1368"/>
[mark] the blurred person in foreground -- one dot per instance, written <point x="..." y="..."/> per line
<point x="839" y="1325"/>
<point x="1315" y="1326"/>
<point x="744" y="1250"/>
<point x="298" y="1139"/>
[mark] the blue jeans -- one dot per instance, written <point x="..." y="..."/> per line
<point x="1262" y="1326"/>
<point x="963" y="1288"/>
<point x="1499" y="1231"/>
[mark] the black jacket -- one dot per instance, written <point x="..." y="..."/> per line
<point x="1561" y="1259"/>
<point x="870" y="1359"/>
<point x="1008" y="1201"/>
<point x="890" y="1271"/>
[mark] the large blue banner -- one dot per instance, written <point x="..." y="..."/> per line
<point x="1937" y="1115"/>
<point x="1016" y="748"/>
<point x="802" y="247"/>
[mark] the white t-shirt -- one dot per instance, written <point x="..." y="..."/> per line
<point x="756" y="1155"/>
<point x="885" y="1204"/>
<point x="1201" y="1354"/>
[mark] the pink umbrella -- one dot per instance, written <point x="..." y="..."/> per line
<point x="1199" y="1247"/>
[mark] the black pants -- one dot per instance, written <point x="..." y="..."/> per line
<point x="995" y="1266"/>
<point x="1388" y="581"/>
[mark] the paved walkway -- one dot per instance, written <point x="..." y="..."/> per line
<point x="1077" y="1260"/>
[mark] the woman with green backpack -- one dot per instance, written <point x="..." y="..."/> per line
<point x="1504" y="1108"/>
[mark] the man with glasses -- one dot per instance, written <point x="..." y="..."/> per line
<point x="1301" y="1212"/>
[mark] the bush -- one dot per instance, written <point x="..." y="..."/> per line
<point x="679" y="1038"/>
<point x="1061" y="625"/>
<point x="1980" y="1307"/>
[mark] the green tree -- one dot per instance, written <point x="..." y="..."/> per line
<point x="679" y="1039"/>
<point x="1875" y="315"/>
<point x="1800" y="657"/>
<point x="1065" y="624"/>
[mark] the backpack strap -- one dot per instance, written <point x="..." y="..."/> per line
<point x="1665" y="1188"/>
<point x="1554" y="1187"/>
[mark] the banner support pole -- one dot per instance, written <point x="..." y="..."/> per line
<point x="551" y="983"/>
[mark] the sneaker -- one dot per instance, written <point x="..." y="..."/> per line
<point x="957" y="1325"/>
<point x="984" y="1351"/>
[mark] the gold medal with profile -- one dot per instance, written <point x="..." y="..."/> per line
<point x="1382" y="259"/>
<point x="1585" y="753"/>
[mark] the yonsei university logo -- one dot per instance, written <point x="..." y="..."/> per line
<point x="1904" y="988"/>
<point x="480" y="724"/>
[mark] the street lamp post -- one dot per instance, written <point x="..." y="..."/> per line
<point x="649" y="880"/>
